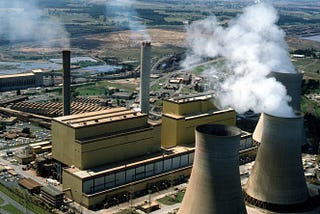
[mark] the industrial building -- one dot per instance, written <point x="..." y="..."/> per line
<point x="98" y="138"/>
<point x="108" y="151"/>
<point x="21" y="81"/>
<point x="182" y="114"/>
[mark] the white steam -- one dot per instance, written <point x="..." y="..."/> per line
<point x="253" y="46"/>
<point x="22" y="20"/>
<point x="126" y="10"/>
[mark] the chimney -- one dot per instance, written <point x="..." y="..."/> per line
<point x="292" y="82"/>
<point x="145" y="76"/>
<point x="214" y="186"/>
<point x="277" y="181"/>
<point x="66" y="82"/>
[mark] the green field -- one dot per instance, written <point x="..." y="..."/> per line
<point x="11" y="209"/>
<point x="172" y="199"/>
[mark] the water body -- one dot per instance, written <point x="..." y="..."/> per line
<point x="99" y="69"/>
<point x="312" y="38"/>
<point x="75" y="60"/>
<point x="21" y="67"/>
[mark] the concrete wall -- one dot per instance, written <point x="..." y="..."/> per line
<point x="75" y="185"/>
<point x="64" y="148"/>
<point x="111" y="127"/>
<point x="124" y="146"/>
<point x="94" y="149"/>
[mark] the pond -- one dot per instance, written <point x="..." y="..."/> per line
<point x="312" y="38"/>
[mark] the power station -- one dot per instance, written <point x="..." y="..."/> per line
<point x="106" y="153"/>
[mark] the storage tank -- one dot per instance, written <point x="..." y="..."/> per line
<point x="214" y="185"/>
<point x="277" y="179"/>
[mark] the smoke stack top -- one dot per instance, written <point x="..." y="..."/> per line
<point x="253" y="46"/>
<point x="146" y="44"/>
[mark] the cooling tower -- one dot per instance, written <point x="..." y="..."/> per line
<point x="145" y="76"/>
<point x="277" y="179"/>
<point x="214" y="185"/>
<point x="66" y="82"/>
<point x="292" y="82"/>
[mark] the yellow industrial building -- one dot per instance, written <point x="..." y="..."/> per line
<point x="98" y="138"/>
<point x="117" y="150"/>
<point x="181" y="115"/>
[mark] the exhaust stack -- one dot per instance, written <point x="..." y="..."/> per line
<point x="277" y="179"/>
<point x="214" y="186"/>
<point x="66" y="92"/>
<point x="145" y="76"/>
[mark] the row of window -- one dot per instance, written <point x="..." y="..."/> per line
<point x="128" y="175"/>
<point x="146" y="170"/>
<point x="18" y="83"/>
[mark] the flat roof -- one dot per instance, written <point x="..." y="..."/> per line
<point x="83" y="174"/>
<point x="187" y="99"/>
<point x="98" y="117"/>
<point x="51" y="190"/>
<point x="16" y="75"/>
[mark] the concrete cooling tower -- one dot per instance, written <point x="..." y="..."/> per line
<point x="277" y="179"/>
<point x="145" y="76"/>
<point x="292" y="82"/>
<point x="214" y="186"/>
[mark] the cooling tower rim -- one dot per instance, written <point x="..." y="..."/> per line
<point x="219" y="130"/>
<point x="297" y="115"/>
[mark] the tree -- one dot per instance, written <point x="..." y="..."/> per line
<point x="26" y="130"/>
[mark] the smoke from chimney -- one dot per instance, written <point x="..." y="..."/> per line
<point x="253" y="46"/>
<point x="126" y="8"/>
<point x="22" y="20"/>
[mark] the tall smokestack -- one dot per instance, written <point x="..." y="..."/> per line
<point x="277" y="179"/>
<point x="145" y="76"/>
<point x="214" y="186"/>
<point x="292" y="82"/>
<point x="66" y="82"/>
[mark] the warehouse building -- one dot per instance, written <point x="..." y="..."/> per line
<point x="21" y="81"/>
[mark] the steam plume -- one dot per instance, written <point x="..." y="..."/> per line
<point x="253" y="46"/>
<point x="126" y="10"/>
<point x="25" y="21"/>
